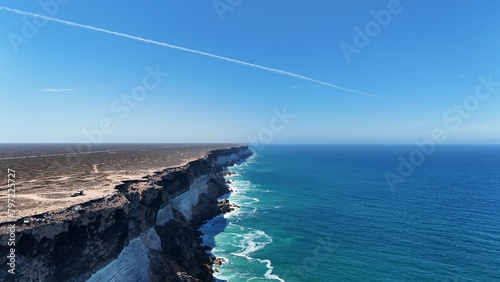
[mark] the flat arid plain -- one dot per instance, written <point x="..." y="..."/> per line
<point x="46" y="175"/>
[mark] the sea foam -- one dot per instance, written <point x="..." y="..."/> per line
<point x="238" y="244"/>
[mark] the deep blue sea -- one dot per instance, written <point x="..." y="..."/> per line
<point x="327" y="213"/>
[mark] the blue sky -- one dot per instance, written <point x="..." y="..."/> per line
<point x="58" y="81"/>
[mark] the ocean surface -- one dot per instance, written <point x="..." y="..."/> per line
<point x="328" y="213"/>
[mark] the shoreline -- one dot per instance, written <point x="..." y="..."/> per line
<point x="237" y="237"/>
<point x="172" y="203"/>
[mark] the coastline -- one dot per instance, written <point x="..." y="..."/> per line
<point x="237" y="238"/>
<point x="172" y="203"/>
<point x="48" y="174"/>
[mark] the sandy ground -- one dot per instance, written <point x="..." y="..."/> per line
<point x="45" y="177"/>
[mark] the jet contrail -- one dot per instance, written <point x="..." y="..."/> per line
<point x="184" y="49"/>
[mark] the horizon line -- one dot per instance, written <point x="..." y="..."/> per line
<point x="233" y="143"/>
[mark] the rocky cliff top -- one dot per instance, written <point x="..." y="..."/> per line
<point x="47" y="210"/>
<point x="44" y="195"/>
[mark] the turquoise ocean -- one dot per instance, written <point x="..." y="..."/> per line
<point x="327" y="213"/>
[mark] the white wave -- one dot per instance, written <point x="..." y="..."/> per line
<point x="237" y="226"/>
<point x="240" y="242"/>
<point x="252" y="242"/>
<point x="269" y="273"/>
<point x="250" y="160"/>
<point x="253" y="212"/>
<point x="233" y="214"/>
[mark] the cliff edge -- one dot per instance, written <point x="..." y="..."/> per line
<point x="147" y="230"/>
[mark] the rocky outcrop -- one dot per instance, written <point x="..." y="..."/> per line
<point x="146" y="231"/>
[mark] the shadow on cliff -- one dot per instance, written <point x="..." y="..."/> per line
<point x="213" y="227"/>
<point x="210" y="230"/>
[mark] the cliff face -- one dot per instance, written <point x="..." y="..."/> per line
<point x="146" y="231"/>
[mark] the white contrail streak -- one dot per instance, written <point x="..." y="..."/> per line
<point x="183" y="49"/>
